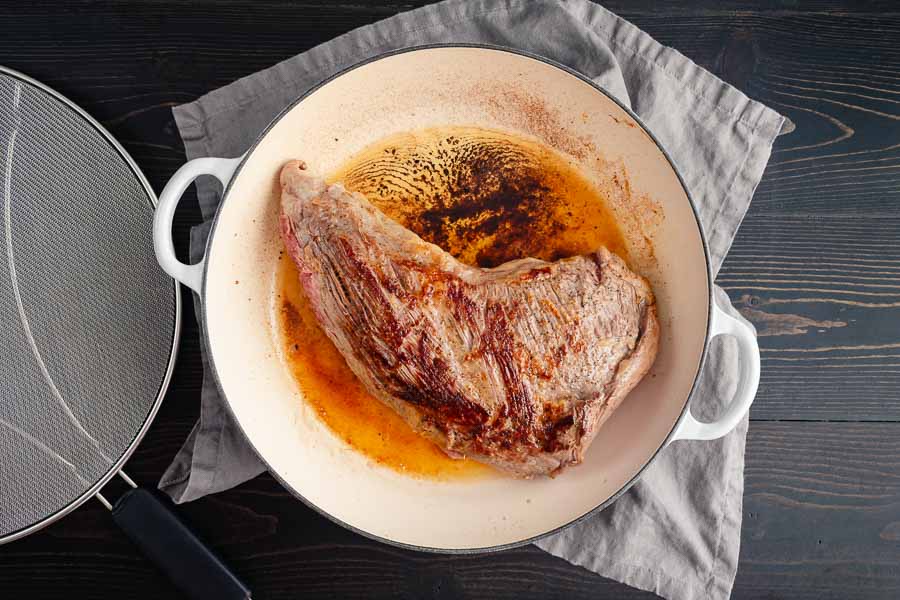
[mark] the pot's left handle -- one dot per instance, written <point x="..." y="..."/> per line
<point x="689" y="428"/>
<point x="220" y="168"/>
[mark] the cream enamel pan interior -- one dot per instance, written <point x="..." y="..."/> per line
<point x="406" y="91"/>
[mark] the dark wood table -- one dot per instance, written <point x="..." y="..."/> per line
<point x="816" y="266"/>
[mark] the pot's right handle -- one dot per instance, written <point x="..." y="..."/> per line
<point x="748" y="361"/>
<point x="220" y="168"/>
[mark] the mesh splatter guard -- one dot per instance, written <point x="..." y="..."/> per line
<point x="89" y="326"/>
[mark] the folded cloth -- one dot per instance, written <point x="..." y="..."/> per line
<point x="677" y="531"/>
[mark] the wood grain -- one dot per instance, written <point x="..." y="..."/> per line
<point x="821" y="511"/>
<point x="815" y="266"/>
<point x="824" y="292"/>
<point x="822" y="520"/>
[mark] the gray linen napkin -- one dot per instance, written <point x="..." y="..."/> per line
<point x="677" y="531"/>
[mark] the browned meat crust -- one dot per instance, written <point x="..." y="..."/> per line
<point x="516" y="366"/>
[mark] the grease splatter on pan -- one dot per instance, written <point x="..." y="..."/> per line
<point x="485" y="196"/>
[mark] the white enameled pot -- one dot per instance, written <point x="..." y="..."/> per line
<point x="405" y="91"/>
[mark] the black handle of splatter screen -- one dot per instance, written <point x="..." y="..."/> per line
<point x="148" y="519"/>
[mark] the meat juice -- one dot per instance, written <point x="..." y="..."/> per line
<point x="484" y="196"/>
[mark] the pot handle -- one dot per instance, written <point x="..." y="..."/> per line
<point x="220" y="168"/>
<point x="748" y="361"/>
